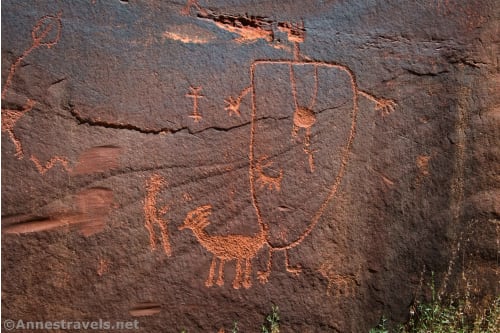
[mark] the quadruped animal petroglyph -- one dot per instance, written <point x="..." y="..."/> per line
<point x="225" y="247"/>
<point x="272" y="171"/>
<point x="268" y="175"/>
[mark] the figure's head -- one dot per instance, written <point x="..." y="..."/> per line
<point x="197" y="218"/>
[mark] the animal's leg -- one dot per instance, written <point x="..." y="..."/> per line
<point x="294" y="270"/>
<point x="329" y="288"/>
<point x="263" y="276"/>
<point x="210" y="280"/>
<point x="220" y="277"/>
<point x="295" y="131"/>
<point x="164" y="237"/>
<point x="237" y="278"/>
<point x="247" y="282"/>
<point x="149" y="227"/>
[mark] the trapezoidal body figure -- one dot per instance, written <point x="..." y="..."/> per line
<point x="303" y="124"/>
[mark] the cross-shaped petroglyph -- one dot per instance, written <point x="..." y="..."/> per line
<point x="243" y="248"/>
<point x="263" y="174"/>
<point x="195" y="95"/>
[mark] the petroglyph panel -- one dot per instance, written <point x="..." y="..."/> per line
<point x="188" y="164"/>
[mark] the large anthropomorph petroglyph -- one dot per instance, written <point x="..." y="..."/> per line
<point x="319" y="101"/>
<point x="192" y="163"/>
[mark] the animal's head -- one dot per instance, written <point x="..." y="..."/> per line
<point x="197" y="218"/>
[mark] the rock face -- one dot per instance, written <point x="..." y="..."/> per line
<point x="190" y="164"/>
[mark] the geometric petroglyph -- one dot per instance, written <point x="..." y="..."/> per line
<point x="44" y="167"/>
<point x="194" y="93"/>
<point x="92" y="160"/>
<point x="304" y="117"/>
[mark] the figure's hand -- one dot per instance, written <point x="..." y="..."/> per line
<point x="233" y="106"/>
<point x="385" y="105"/>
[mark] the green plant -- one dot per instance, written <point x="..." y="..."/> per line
<point x="437" y="316"/>
<point x="235" y="327"/>
<point x="452" y="316"/>
<point x="272" y="321"/>
<point x="380" y="327"/>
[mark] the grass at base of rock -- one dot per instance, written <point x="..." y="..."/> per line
<point x="453" y="316"/>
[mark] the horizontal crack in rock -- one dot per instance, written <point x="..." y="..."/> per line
<point x="164" y="130"/>
<point x="101" y="123"/>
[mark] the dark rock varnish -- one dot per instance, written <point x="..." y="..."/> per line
<point x="188" y="165"/>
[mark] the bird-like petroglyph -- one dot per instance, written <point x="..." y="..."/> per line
<point x="281" y="148"/>
<point x="265" y="174"/>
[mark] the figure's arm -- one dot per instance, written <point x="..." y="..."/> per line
<point x="385" y="105"/>
<point x="233" y="104"/>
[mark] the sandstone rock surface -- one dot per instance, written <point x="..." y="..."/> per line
<point x="189" y="164"/>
